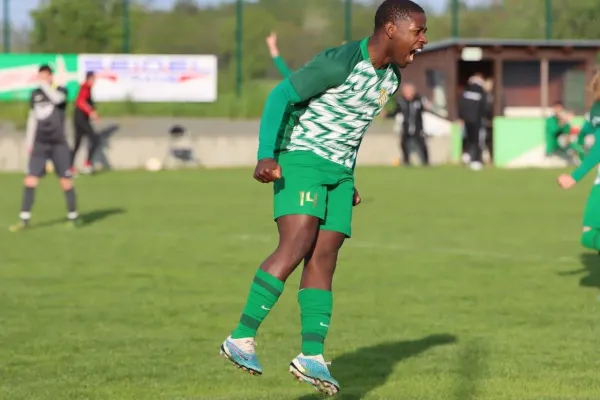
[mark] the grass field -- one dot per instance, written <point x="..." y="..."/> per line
<point x="455" y="286"/>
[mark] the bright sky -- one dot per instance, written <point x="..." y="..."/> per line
<point x="20" y="9"/>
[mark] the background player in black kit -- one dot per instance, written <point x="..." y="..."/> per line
<point x="46" y="140"/>
<point x="411" y="105"/>
<point x="472" y="109"/>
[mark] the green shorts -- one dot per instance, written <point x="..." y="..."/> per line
<point x="312" y="185"/>
<point x="591" y="213"/>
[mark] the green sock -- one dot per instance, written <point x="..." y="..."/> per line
<point x="315" y="312"/>
<point x="591" y="239"/>
<point x="264" y="293"/>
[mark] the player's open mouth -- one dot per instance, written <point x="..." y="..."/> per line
<point x="411" y="55"/>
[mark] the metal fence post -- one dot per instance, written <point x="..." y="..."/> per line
<point x="348" y="21"/>
<point x="6" y="25"/>
<point x="126" y="28"/>
<point x="238" y="48"/>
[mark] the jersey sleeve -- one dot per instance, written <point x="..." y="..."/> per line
<point x="282" y="66"/>
<point x="593" y="116"/>
<point x="273" y="117"/>
<point x="585" y="130"/>
<point x="591" y="160"/>
<point x="324" y="72"/>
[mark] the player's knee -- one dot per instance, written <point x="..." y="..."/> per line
<point x="323" y="259"/>
<point x="293" y="253"/>
<point x="324" y="255"/>
<point x="297" y="237"/>
<point x="31" y="181"/>
<point x="66" y="184"/>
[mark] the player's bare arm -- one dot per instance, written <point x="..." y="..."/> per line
<point x="271" y="41"/>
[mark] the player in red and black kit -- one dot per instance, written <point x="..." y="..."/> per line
<point x="84" y="113"/>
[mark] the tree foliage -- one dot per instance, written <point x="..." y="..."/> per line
<point x="304" y="27"/>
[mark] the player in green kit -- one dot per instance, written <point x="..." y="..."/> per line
<point x="590" y="236"/>
<point x="310" y="132"/>
<point x="557" y="125"/>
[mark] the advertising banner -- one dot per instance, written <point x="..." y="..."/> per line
<point x="18" y="74"/>
<point x="151" y="78"/>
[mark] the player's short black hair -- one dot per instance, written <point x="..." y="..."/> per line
<point x="558" y="103"/>
<point x="394" y="10"/>
<point x="45" y="68"/>
<point x="89" y="74"/>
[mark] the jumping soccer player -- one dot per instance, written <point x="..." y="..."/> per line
<point x="310" y="132"/>
<point x="46" y="140"/>
<point x="590" y="236"/>
<point x="84" y="112"/>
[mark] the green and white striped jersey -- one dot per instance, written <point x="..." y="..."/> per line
<point x="343" y="93"/>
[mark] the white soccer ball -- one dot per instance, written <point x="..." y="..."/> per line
<point x="154" y="164"/>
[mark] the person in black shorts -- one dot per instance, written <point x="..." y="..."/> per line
<point x="85" y="112"/>
<point x="411" y="106"/>
<point x="46" y="140"/>
<point x="472" y="108"/>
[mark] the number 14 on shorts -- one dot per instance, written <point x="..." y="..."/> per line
<point x="308" y="197"/>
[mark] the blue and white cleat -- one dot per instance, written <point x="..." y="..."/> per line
<point x="242" y="354"/>
<point x="313" y="370"/>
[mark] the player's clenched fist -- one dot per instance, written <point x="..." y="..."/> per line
<point x="566" y="181"/>
<point x="267" y="170"/>
<point x="356" y="198"/>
